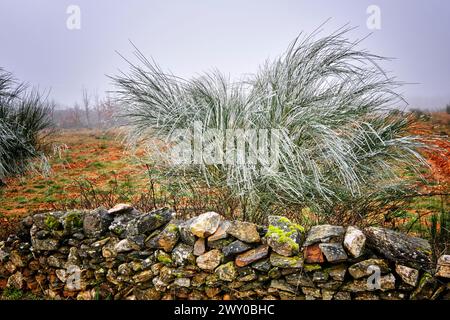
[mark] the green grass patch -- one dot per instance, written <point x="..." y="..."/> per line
<point x="97" y="165"/>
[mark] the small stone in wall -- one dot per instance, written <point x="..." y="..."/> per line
<point x="119" y="225"/>
<point x="246" y="274"/>
<point x="162" y="257"/>
<point x="16" y="281"/>
<point x="148" y="294"/>
<point x="354" y="241"/>
<point x="97" y="222"/>
<point x="166" y="240"/>
<point x="219" y="244"/>
<point x="386" y="282"/>
<point x="199" y="247"/>
<point x="313" y="254"/>
<point x="300" y="280"/>
<point x="320" y="276"/>
<point x="235" y="247"/>
<point x="244" y="231"/>
<point x="126" y="245"/>
<point x="283" y="236"/>
<point x="253" y="255"/>
<point x="366" y="268"/>
<point x="311" y="293"/>
<point x="342" y="295"/>
<point x="205" y="224"/>
<point x="42" y="244"/>
<point x="145" y="223"/>
<point x="186" y="235"/>
<point x="280" y="261"/>
<point x="221" y="232"/>
<point x="16" y="258"/>
<point x="337" y="272"/>
<point x="366" y="296"/>
<point x="443" y="266"/>
<point x="333" y="252"/>
<point x="159" y="284"/>
<point x="226" y="272"/>
<point x="283" y="286"/>
<point x="324" y="233"/>
<point x="262" y="265"/>
<point x="182" y="254"/>
<point x="120" y="208"/>
<point x="143" y="276"/>
<point x="210" y="260"/>
<point x="182" y="282"/>
<point x="61" y="274"/>
<point x="408" y="275"/>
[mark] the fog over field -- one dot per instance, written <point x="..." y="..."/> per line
<point x="232" y="36"/>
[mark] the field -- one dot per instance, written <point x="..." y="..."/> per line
<point x="89" y="168"/>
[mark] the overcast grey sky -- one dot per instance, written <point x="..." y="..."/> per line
<point x="191" y="36"/>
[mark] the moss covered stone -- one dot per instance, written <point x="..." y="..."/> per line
<point x="52" y="222"/>
<point x="283" y="236"/>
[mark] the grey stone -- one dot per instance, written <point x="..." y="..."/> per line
<point x="186" y="235"/>
<point x="366" y="268"/>
<point x="145" y="223"/>
<point x="324" y="233"/>
<point x="96" y="223"/>
<point x="126" y="245"/>
<point x="405" y="249"/>
<point x="262" y="265"/>
<point x="49" y="244"/>
<point x="252" y="255"/>
<point x="354" y="241"/>
<point x="235" y="247"/>
<point x="120" y="222"/>
<point x="182" y="254"/>
<point x="199" y="247"/>
<point x="333" y="252"/>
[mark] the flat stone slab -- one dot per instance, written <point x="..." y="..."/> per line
<point x="323" y="233"/>
<point x="408" y="250"/>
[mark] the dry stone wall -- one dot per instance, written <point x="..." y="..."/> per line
<point x="125" y="254"/>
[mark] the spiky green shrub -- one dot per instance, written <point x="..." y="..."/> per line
<point x="23" y="115"/>
<point x="342" y="148"/>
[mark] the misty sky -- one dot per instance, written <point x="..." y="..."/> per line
<point x="191" y="36"/>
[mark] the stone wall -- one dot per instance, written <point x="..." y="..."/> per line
<point x="124" y="254"/>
